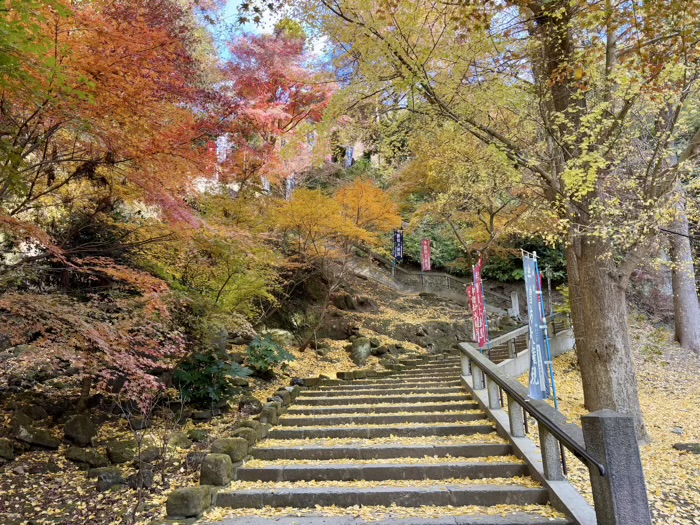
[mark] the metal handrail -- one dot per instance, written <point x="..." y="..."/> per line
<point x="554" y="429"/>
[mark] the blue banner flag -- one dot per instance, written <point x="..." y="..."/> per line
<point x="539" y="380"/>
<point x="398" y="245"/>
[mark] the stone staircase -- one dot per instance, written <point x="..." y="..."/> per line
<point x="387" y="445"/>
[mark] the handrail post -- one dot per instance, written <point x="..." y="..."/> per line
<point x="492" y="387"/>
<point x="620" y="496"/>
<point x="466" y="368"/>
<point x="478" y="377"/>
<point x="515" y="417"/>
<point x="551" y="454"/>
<point x="511" y="348"/>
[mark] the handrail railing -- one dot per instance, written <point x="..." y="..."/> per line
<point x="514" y="391"/>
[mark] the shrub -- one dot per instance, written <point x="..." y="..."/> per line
<point x="206" y="379"/>
<point x="263" y="354"/>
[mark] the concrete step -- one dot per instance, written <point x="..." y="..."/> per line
<point x="350" y="385"/>
<point x="380" y="391"/>
<point x="320" y="453"/>
<point x="379" y="409"/>
<point x="424" y="371"/>
<point x="439" y="495"/>
<point x="447" y="429"/>
<point x="382" y="471"/>
<point x="379" y="419"/>
<point x="516" y="517"/>
<point x="362" y="400"/>
<point x="395" y="380"/>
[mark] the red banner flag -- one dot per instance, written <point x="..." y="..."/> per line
<point x="425" y="255"/>
<point x="476" y="302"/>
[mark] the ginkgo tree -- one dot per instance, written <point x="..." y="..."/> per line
<point x="317" y="232"/>
<point x="586" y="97"/>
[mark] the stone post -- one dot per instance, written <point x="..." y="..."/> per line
<point x="478" y="377"/>
<point x="620" y="496"/>
<point x="492" y="387"/>
<point x="515" y="416"/>
<point x="551" y="455"/>
<point x="515" y="305"/>
<point x="511" y="348"/>
<point x="466" y="369"/>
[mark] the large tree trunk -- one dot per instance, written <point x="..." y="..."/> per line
<point x="685" y="295"/>
<point x="599" y="312"/>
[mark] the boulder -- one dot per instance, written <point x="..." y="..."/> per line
<point x="380" y="350"/>
<point x="79" y="429"/>
<point x="249" y="434"/>
<point x="236" y="448"/>
<point x="240" y="382"/>
<point x="86" y="458"/>
<point x="20" y="419"/>
<point x="6" y="451"/>
<point x="142" y="479"/>
<point x="197" y="435"/>
<point x="36" y="412"/>
<point x="139" y="423"/>
<point x="250" y="405"/>
<point x="180" y="440"/>
<point x="360" y="351"/>
<point x="279" y="336"/>
<point x="692" y="448"/>
<point x="255" y="425"/>
<point x="121" y="451"/>
<point x="297" y="381"/>
<point x="36" y="436"/>
<point x="148" y="455"/>
<point x="294" y="391"/>
<point x="188" y="502"/>
<point x="202" y="415"/>
<point x="269" y="415"/>
<point x="217" y="469"/>
<point x="96" y="472"/>
<point x="374" y="342"/>
<point x="285" y="395"/>
<point x="108" y="479"/>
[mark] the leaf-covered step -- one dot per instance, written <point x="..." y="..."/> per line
<point x="381" y="391"/>
<point x="379" y="471"/>
<point x="383" y="408"/>
<point x="381" y="452"/>
<point x="380" y="419"/>
<point x="369" y="431"/>
<point x="386" y="495"/>
<point x="361" y="399"/>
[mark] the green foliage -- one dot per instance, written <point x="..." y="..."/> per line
<point x="444" y="248"/>
<point x="565" y="307"/>
<point x="263" y="354"/>
<point x="206" y="379"/>
<point x="508" y="267"/>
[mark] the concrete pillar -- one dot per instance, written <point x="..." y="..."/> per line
<point x="620" y="496"/>
<point x="515" y="416"/>
<point x="466" y="370"/>
<point x="511" y="348"/>
<point x="492" y="387"/>
<point x="514" y="304"/>
<point x="551" y="454"/>
<point x="478" y="378"/>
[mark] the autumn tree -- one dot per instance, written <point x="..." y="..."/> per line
<point x="367" y="206"/>
<point x="586" y="97"/>
<point x="316" y="232"/>
<point x="271" y="98"/>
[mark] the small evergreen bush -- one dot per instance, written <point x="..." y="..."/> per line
<point x="264" y="353"/>
<point x="206" y="379"/>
